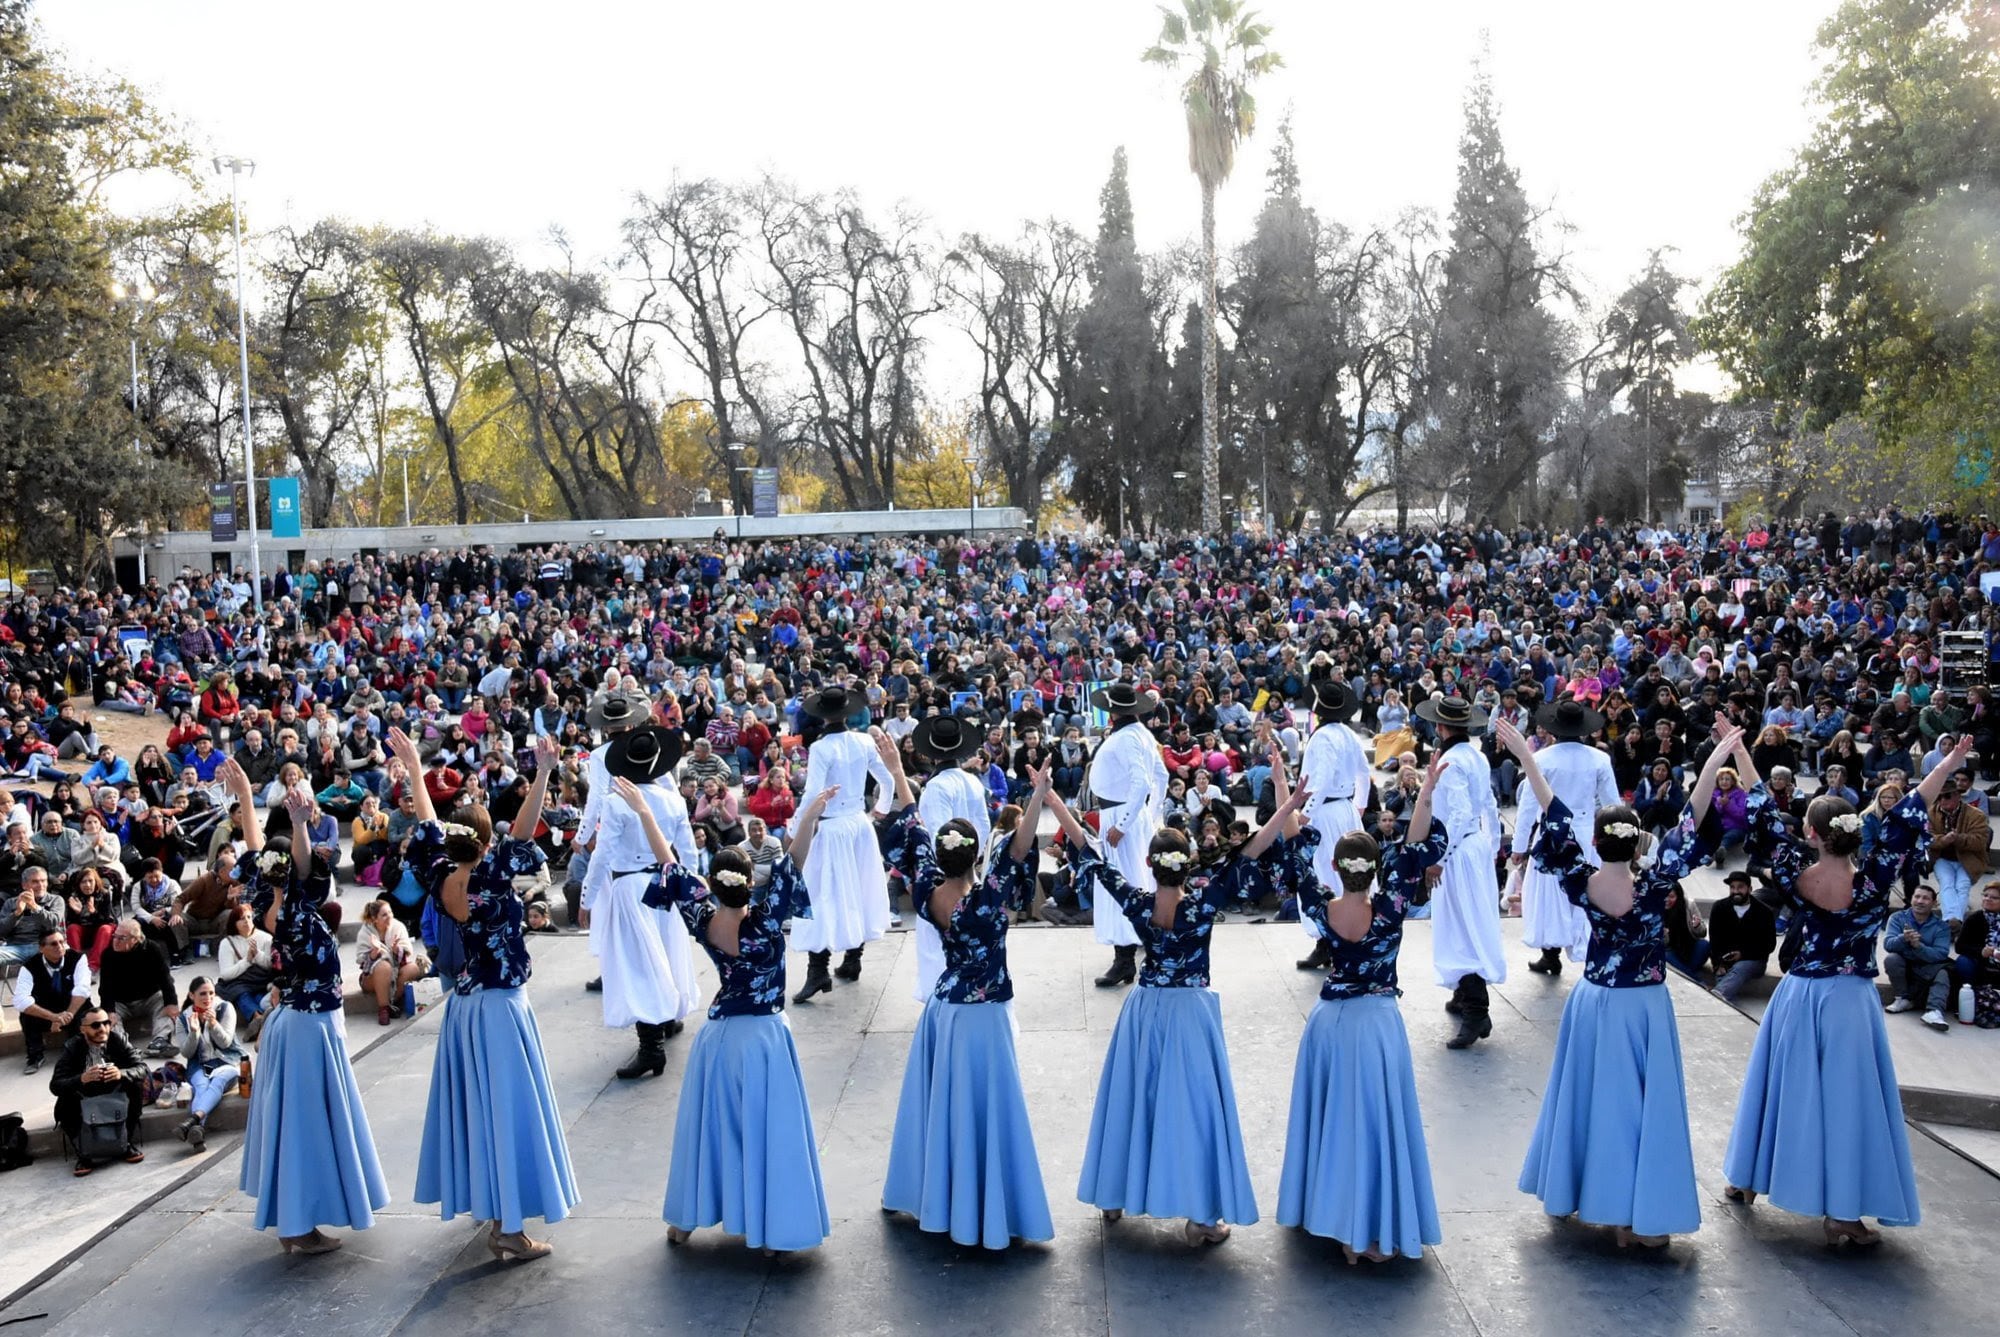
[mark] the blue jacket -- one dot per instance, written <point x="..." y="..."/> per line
<point x="1936" y="934"/>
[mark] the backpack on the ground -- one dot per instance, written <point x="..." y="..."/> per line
<point x="102" y="1134"/>
<point x="14" y="1151"/>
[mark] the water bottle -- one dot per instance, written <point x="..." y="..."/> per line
<point x="1967" y="1004"/>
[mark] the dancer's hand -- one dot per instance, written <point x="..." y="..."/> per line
<point x="629" y="792"/>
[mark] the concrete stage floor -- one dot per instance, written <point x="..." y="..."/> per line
<point x="188" y="1260"/>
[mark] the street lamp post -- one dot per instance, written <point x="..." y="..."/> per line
<point x="406" y="489"/>
<point x="140" y="293"/>
<point x="236" y="167"/>
<point x="735" y="474"/>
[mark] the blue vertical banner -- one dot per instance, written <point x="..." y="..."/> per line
<point x="285" y="508"/>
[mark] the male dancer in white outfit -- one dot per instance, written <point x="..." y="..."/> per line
<point x="953" y="791"/>
<point x="1335" y="769"/>
<point x="612" y="713"/>
<point x="1465" y="913"/>
<point x="1128" y="780"/>
<point x="648" y="961"/>
<point x="1581" y="777"/>
<point x="846" y="882"/>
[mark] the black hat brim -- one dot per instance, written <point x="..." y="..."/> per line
<point x="619" y="761"/>
<point x="1427" y="710"/>
<point x="831" y="707"/>
<point x="1583" y="726"/>
<point x="926" y="743"/>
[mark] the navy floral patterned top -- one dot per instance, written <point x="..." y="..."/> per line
<point x="1838" y="942"/>
<point x="1176" y="956"/>
<point x="495" y="948"/>
<point x="975" y="933"/>
<point x="308" y="953"/>
<point x="753" y="981"/>
<point x="1367" y="966"/>
<point x="1627" y="951"/>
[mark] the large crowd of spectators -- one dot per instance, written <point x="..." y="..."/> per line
<point x="1825" y="639"/>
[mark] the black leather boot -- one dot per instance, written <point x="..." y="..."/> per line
<point x="817" y="979"/>
<point x="594" y="986"/>
<point x="652" y="1054"/>
<point x="1455" y="1004"/>
<point x="1319" y="958"/>
<point x="1549" y="963"/>
<point x="850" y="965"/>
<point x="1124" y="968"/>
<point x="1475" y="1022"/>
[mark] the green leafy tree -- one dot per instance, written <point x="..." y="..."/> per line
<point x="1869" y="283"/>
<point x="1220" y="48"/>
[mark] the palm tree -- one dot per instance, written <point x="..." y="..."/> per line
<point x="1221" y="46"/>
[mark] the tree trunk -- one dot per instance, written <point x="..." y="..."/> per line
<point x="1211" y="460"/>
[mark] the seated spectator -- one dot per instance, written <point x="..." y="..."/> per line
<point x="109" y="769"/>
<point x="1731" y="808"/>
<point x="93" y="910"/>
<point x="50" y="993"/>
<point x="322" y="833"/>
<point x="156" y="838"/>
<point x="388" y="959"/>
<point x="218" y="708"/>
<point x="772" y="801"/>
<point x="70" y="736"/>
<point x="205" y="1043"/>
<point x="1833" y="783"/>
<point x="157" y="897"/>
<point x="370" y="832"/>
<point x="97" y="1061"/>
<point x="1960" y="834"/>
<point x="763" y="849"/>
<point x="1661" y="798"/>
<point x="26" y="914"/>
<point x="702" y="765"/>
<point x="1742" y="935"/>
<point x="135" y="983"/>
<point x="1687" y="948"/>
<point x="342" y="799"/>
<point x="1916" y="947"/>
<point x="1071" y="758"/>
<point x="205" y="901"/>
<point x="716" y="809"/>
<point x="245" y="967"/>
<point x="59" y="848"/>
<point x="28" y="754"/>
<point x="1978" y="945"/>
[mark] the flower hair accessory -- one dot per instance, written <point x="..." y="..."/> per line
<point x="1621" y="830"/>
<point x="729" y="877"/>
<point x="1847" y="821"/>
<point x="272" y="861"/>
<point x="458" y="829"/>
<point x="951" y="840"/>
<point x="1174" y="859"/>
<point x="1357" y="865"/>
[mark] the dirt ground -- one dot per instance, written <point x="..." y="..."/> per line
<point x="126" y="733"/>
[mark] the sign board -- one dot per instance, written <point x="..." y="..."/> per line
<point x="284" y="508"/>
<point x="764" y="492"/>
<point x="222" y="513"/>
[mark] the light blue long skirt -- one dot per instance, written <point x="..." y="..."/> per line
<point x="963" y="1161"/>
<point x="1611" y="1144"/>
<point x="1164" y="1136"/>
<point x="744" y="1151"/>
<point x="493" y="1139"/>
<point x="1819" y="1127"/>
<point x="1356" y="1166"/>
<point x="308" y="1157"/>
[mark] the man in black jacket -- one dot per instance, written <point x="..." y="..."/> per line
<point x="97" y="1061"/>
<point x="1742" y="934"/>
<point x="136" y="985"/>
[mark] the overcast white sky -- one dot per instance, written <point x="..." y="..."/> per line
<point x="1646" y="125"/>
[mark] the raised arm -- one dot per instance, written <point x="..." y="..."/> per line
<point x="1281" y="791"/>
<point x="1704" y="788"/>
<point x="530" y="815"/>
<point x="1933" y="784"/>
<point x="1071" y="827"/>
<point x="406" y="752"/>
<point x="1516" y="742"/>
<point x="1023" y="842"/>
<point x="889" y="763"/>
<point x="1420" y="815"/>
<point x="237" y="785"/>
<point x="805" y="822"/>
<point x="1280" y="819"/>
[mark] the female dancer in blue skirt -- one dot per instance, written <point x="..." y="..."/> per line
<point x="1819" y="1127"/>
<point x="744" y="1155"/>
<point x="1356" y="1166"/>
<point x="308" y="1157"/>
<point x="1611" y="1145"/>
<point x="1164" y="1136"/>
<point x="963" y="1159"/>
<point x="493" y="1138"/>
